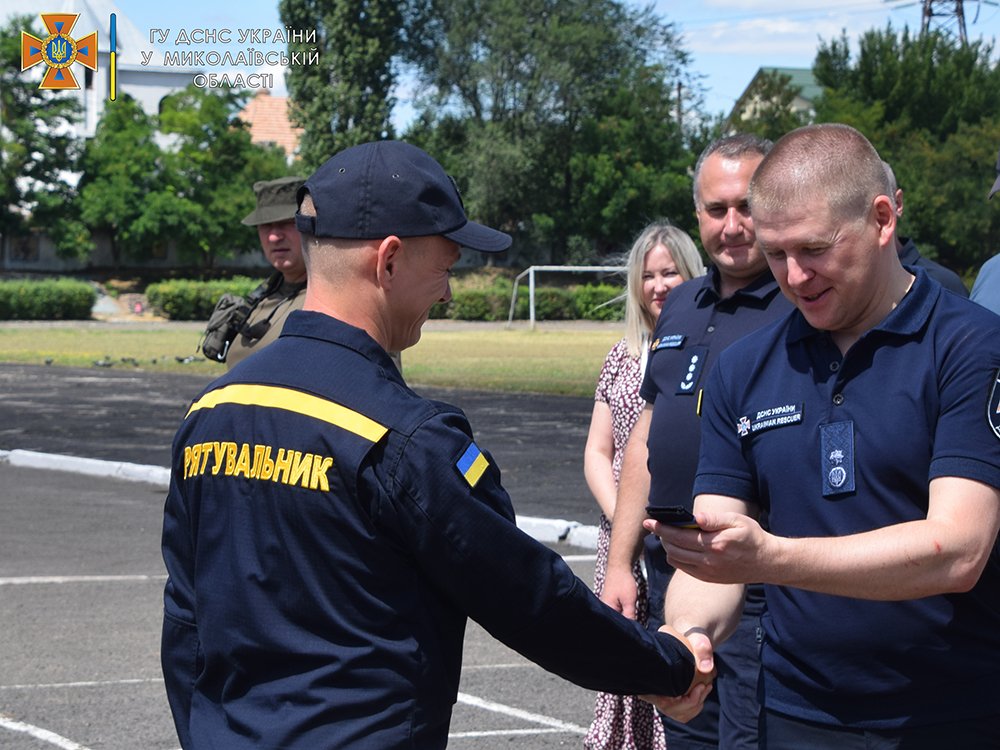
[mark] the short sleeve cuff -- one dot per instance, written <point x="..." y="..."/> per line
<point x="647" y="391"/>
<point x="966" y="468"/>
<point x="723" y="484"/>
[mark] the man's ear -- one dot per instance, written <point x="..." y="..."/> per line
<point x="387" y="260"/>
<point x="885" y="218"/>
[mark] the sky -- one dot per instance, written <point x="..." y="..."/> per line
<point x="728" y="40"/>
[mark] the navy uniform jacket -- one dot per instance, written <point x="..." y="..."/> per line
<point x="326" y="534"/>
<point x="832" y="446"/>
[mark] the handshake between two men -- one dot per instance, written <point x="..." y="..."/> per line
<point x="685" y="707"/>
<point x="705" y="598"/>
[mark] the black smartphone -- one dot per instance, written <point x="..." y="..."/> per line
<point x="673" y="515"/>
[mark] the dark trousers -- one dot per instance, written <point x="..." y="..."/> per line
<point x="779" y="732"/>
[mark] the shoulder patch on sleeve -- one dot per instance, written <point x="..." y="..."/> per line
<point x="472" y="464"/>
<point x="993" y="407"/>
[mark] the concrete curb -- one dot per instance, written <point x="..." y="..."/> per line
<point x="559" y="530"/>
<point x="542" y="529"/>
<point x="155" y="475"/>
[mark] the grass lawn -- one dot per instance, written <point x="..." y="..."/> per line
<point x="541" y="361"/>
<point x="563" y="362"/>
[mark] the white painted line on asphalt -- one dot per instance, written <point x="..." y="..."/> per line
<point x="89" y="683"/>
<point x="580" y="558"/>
<point x="549" y="724"/>
<point x="517" y="713"/>
<point x="503" y="733"/>
<point x="512" y="665"/>
<point x="21" y="580"/>
<point x="40" y="734"/>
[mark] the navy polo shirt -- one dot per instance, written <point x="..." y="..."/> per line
<point x="326" y="534"/>
<point x="833" y="445"/>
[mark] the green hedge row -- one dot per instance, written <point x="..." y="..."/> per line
<point x="590" y="302"/>
<point x="194" y="300"/>
<point x="49" y="299"/>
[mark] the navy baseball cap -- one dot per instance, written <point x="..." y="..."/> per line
<point x="390" y="187"/>
<point x="996" y="184"/>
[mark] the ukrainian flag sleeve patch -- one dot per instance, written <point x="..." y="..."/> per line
<point x="472" y="464"/>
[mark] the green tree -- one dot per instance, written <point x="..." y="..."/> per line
<point x="832" y="66"/>
<point x="927" y="82"/>
<point x="529" y="93"/>
<point x="346" y="98"/>
<point x="945" y="186"/>
<point x="631" y="167"/>
<point x="208" y="171"/>
<point x="37" y="151"/>
<point x="121" y="174"/>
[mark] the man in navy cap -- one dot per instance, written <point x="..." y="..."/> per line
<point x="328" y="532"/>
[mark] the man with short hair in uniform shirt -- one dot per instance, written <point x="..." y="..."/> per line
<point x="327" y="532"/>
<point x="866" y="425"/>
<point x="700" y="318"/>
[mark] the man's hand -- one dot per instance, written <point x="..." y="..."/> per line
<point x="726" y="548"/>
<point x="620" y="591"/>
<point x="685" y="707"/>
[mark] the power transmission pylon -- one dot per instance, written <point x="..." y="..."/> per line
<point x="945" y="16"/>
<point x="939" y="9"/>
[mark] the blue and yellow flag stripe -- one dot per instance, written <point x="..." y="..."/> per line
<point x="276" y="397"/>
<point x="113" y="67"/>
<point x="472" y="464"/>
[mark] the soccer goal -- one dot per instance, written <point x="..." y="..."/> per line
<point x="530" y="273"/>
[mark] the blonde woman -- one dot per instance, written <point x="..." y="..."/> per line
<point x="661" y="257"/>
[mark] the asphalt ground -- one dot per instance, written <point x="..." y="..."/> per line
<point x="131" y="416"/>
<point x="81" y="576"/>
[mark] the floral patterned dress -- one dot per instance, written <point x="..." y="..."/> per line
<point x="622" y="722"/>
